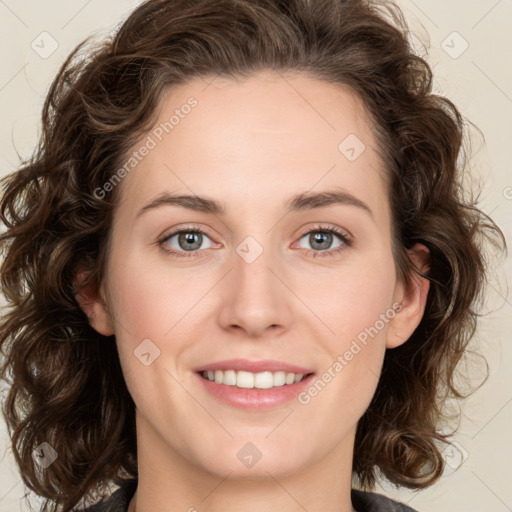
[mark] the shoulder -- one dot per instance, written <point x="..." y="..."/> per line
<point x="118" y="501"/>
<point x="372" y="502"/>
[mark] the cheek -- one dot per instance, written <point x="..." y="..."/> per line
<point x="150" y="299"/>
<point x="359" y="313"/>
<point x="353" y="300"/>
<point x="150" y="317"/>
<point x="357" y="308"/>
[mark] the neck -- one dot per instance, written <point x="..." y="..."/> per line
<point x="167" y="481"/>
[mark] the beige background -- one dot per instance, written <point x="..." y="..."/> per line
<point x="478" y="80"/>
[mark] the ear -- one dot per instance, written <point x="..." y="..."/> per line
<point x="413" y="299"/>
<point x="90" y="299"/>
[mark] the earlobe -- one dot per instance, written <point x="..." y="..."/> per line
<point x="90" y="300"/>
<point x="413" y="299"/>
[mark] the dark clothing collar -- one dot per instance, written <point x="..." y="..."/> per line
<point x="362" y="501"/>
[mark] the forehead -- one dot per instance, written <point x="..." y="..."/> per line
<point x="264" y="138"/>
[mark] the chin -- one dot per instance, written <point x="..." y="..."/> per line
<point x="277" y="465"/>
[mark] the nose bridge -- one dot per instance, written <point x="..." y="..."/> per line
<point x="256" y="297"/>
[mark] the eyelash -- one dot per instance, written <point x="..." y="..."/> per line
<point x="347" y="241"/>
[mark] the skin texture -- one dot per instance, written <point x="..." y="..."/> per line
<point x="252" y="144"/>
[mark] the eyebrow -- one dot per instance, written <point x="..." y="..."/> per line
<point x="299" y="202"/>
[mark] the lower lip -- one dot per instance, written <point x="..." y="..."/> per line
<point x="255" y="399"/>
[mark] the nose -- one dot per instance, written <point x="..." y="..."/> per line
<point x="256" y="298"/>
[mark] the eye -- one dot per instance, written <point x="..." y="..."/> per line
<point x="184" y="240"/>
<point x="321" y="239"/>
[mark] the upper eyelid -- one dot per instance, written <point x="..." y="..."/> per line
<point x="326" y="227"/>
<point x="178" y="230"/>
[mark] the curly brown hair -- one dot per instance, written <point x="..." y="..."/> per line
<point x="67" y="386"/>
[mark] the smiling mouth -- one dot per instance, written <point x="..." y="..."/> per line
<point x="250" y="380"/>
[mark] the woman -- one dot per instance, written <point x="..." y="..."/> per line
<point x="252" y="369"/>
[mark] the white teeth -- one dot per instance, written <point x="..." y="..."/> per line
<point x="280" y="378"/>
<point x="229" y="378"/>
<point x="264" y="380"/>
<point x="243" y="380"/>
<point x="248" y="380"/>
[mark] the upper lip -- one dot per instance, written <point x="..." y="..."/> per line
<point x="253" y="366"/>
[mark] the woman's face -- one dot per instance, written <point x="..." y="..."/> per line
<point x="258" y="284"/>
